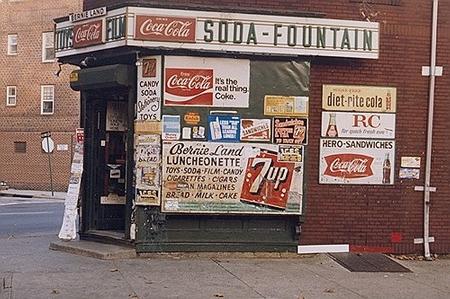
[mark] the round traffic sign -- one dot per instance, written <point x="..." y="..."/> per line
<point x="48" y="145"/>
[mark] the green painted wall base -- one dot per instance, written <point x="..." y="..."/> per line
<point x="158" y="232"/>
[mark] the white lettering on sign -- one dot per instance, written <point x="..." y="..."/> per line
<point x="90" y="33"/>
<point x="194" y="82"/>
<point x="174" y="28"/>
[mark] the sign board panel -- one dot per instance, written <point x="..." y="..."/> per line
<point x="116" y="116"/>
<point x="148" y="103"/>
<point x="358" y="125"/>
<point x="359" y="98"/>
<point x="286" y="105"/>
<point x="89" y="34"/>
<point x="357" y="161"/>
<point x="290" y="130"/>
<point x="233" y="33"/>
<point x="256" y="130"/>
<point x="197" y="81"/>
<point x="243" y="178"/>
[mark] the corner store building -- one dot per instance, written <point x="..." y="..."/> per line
<point x="369" y="216"/>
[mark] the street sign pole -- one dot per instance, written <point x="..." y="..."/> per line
<point x="47" y="136"/>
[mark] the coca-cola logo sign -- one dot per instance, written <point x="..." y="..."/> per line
<point x="88" y="34"/>
<point x="349" y="166"/>
<point x="157" y="28"/>
<point x="189" y="86"/>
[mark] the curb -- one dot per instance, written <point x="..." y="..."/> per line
<point x="94" y="249"/>
<point x="25" y="195"/>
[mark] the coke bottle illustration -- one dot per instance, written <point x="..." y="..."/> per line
<point x="386" y="170"/>
<point x="332" y="130"/>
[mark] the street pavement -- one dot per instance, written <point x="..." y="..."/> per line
<point x="29" y="216"/>
<point x="28" y="269"/>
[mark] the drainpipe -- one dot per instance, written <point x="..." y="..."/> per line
<point x="426" y="199"/>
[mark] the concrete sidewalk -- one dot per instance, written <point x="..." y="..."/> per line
<point x="30" y="270"/>
<point x="32" y="194"/>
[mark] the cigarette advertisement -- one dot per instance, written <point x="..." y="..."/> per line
<point x="229" y="178"/>
<point x="224" y="128"/>
<point x="290" y="130"/>
<point x="197" y="81"/>
<point x="148" y="103"/>
<point x="357" y="161"/>
<point x="358" y="125"/>
<point x="359" y="98"/>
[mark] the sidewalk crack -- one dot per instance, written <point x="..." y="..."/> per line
<point x="237" y="277"/>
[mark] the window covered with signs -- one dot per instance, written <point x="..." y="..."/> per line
<point x="234" y="133"/>
<point x="11" y="96"/>
<point x="48" y="51"/>
<point x="47" y="99"/>
<point x="12" y="44"/>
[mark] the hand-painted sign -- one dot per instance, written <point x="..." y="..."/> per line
<point x="148" y="104"/>
<point x="236" y="33"/>
<point x="229" y="178"/>
<point x="88" y="34"/>
<point x="224" y="128"/>
<point x="218" y="82"/>
<point x="148" y="169"/>
<point x="359" y="98"/>
<point x="357" y="161"/>
<point x="358" y="125"/>
<point x="159" y="28"/>
<point x="290" y="130"/>
<point x="256" y="130"/>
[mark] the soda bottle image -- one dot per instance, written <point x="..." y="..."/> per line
<point x="386" y="170"/>
<point x="332" y="130"/>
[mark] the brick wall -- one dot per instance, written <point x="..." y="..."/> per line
<point x="368" y="215"/>
<point x="24" y="122"/>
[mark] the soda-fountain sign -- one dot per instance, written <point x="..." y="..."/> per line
<point x="157" y="28"/>
<point x="88" y="34"/>
<point x="349" y="166"/>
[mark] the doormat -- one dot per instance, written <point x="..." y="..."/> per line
<point x="367" y="262"/>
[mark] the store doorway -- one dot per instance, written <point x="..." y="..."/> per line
<point x="106" y="124"/>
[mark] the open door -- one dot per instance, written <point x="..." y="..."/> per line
<point x="107" y="158"/>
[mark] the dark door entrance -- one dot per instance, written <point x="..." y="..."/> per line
<point x="106" y="140"/>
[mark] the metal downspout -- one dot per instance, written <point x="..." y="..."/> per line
<point x="426" y="201"/>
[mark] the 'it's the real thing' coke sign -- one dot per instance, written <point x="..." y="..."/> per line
<point x="356" y="161"/>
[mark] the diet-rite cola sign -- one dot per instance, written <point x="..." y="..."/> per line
<point x="88" y="34"/>
<point x="357" y="161"/>
<point x="158" y="28"/>
<point x="218" y="82"/>
<point x="358" y="125"/>
<point x="229" y="178"/>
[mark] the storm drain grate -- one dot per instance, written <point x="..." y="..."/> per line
<point x="367" y="262"/>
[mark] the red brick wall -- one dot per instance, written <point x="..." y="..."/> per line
<point x="368" y="215"/>
<point x="23" y="122"/>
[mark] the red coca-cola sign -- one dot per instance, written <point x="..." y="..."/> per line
<point x="88" y="34"/>
<point x="189" y="87"/>
<point x="157" y="28"/>
<point x="349" y="166"/>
